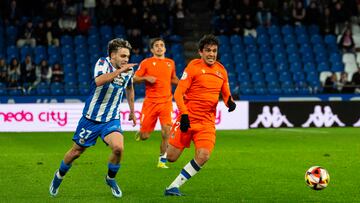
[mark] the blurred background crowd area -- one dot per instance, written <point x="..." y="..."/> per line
<point x="269" y="47"/>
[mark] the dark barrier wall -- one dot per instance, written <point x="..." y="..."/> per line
<point x="304" y="114"/>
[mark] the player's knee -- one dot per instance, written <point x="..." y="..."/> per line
<point x="118" y="149"/>
<point x="171" y="157"/>
<point x="202" y="157"/>
<point x="144" y="136"/>
<point x="75" y="153"/>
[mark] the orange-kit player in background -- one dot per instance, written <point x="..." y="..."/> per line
<point x="197" y="96"/>
<point x="158" y="73"/>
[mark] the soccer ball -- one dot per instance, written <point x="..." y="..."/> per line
<point x="317" y="178"/>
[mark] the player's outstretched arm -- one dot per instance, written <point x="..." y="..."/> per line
<point x="108" y="77"/>
<point x="150" y="79"/>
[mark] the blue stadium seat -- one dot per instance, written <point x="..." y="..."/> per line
<point x="239" y="57"/>
<point x="294" y="58"/>
<point x="223" y="40"/>
<point x="271" y="76"/>
<point x="276" y="39"/>
<point x="307" y="57"/>
<point x="106" y="30"/>
<point x="237" y="48"/>
<point x="278" y="48"/>
<point x="335" y="58"/>
<point x="249" y="40"/>
<point x="66" y="40"/>
<point x="268" y="67"/>
<point x="306" y="48"/>
<point x="285" y="76"/>
<point x="43" y="89"/>
<point x="313" y="30"/>
<point x="80" y="40"/>
<point x="300" y="30"/>
<point x="337" y="67"/>
<point x="298" y="76"/>
<point x="266" y="58"/>
<point x="330" y="39"/>
<point x="56" y="88"/>
<point x="323" y="66"/>
<point x="240" y="67"/>
<point x="263" y="39"/>
<point x="93" y="39"/>
<point x="250" y="49"/>
<point x="284" y="66"/>
<point x="309" y="67"/>
<point x="292" y="48"/>
<point x="295" y="66"/>
<point x="274" y="30"/>
<point x="252" y="58"/>
<point x="274" y="88"/>
<point x="235" y="39"/>
<point x="289" y="39"/>
<point x="287" y="30"/>
<point x="25" y="51"/>
<point x="261" y="30"/>
<point x="257" y="77"/>
<point x="119" y="30"/>
<point x="265" y="48"/>
<point x="93" y="30"/>
<point x="316" y="39"/>
<point x="3" y="89"/>
<point x="302" y="39"/>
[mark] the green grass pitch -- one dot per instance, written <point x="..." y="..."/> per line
<point x="263" y="165"/>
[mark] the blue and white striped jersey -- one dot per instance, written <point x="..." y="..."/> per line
<point x="103" y="102"/>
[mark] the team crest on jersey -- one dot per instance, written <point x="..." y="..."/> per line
<point x="218" y="73"/>
<point x="184" y="76"/>
<point x="168" y="64"/>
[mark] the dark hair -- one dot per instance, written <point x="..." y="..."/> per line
<point x="116" y="44"/>
<point x="208" y="40"/>
<point x="152" y="42"/>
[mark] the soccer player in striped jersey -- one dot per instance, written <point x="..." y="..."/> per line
<point x="112" y="77"/>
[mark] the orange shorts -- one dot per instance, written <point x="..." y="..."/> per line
<point x="202" y="134"/>
<point x="151" y="111"/>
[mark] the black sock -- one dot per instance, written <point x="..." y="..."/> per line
<point x="111" y="173"/>
<point x="62" y="173"/>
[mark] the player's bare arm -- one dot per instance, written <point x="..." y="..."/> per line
<point x="150" y="79"/>
<point x="130" y="95"/>
<point x="174" y="80"/>
<point x="108" y="77"/>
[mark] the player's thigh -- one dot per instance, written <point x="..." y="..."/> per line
<point x="111" y="134"/>
<point x="115" y="140"/>
<point x="87" y="132"/>
<point x="165" y="111"/>
<point x="173" y="153"/>
<point x="149" y="117"/>
<point x="204" y="137"/>
<point x="178" y="139"/>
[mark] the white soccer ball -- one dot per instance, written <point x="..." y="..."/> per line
<point x="317" y="178"/>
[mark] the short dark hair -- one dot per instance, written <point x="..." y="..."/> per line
<point x="152" y="42"/>
<point x="208" y="40"/>
<point x="116" y="44"/>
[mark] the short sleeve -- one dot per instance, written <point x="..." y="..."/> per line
<point x="141" y="70"/>
<point x="100" y="67"/>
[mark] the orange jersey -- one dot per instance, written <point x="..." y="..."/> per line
<point x="201" y="86"/>
<point x="163" y="70"/>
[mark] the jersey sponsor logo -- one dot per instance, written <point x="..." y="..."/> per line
<point x="154" y="63"/>
<point x="271" y="119"/>
<point x="320" y="118"/>
<point x="184" y="76"/>
<point x="203" y="71"/>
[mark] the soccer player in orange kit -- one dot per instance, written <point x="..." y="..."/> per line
<point x="197" y="96"/>
<point x="158" y="73"/>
